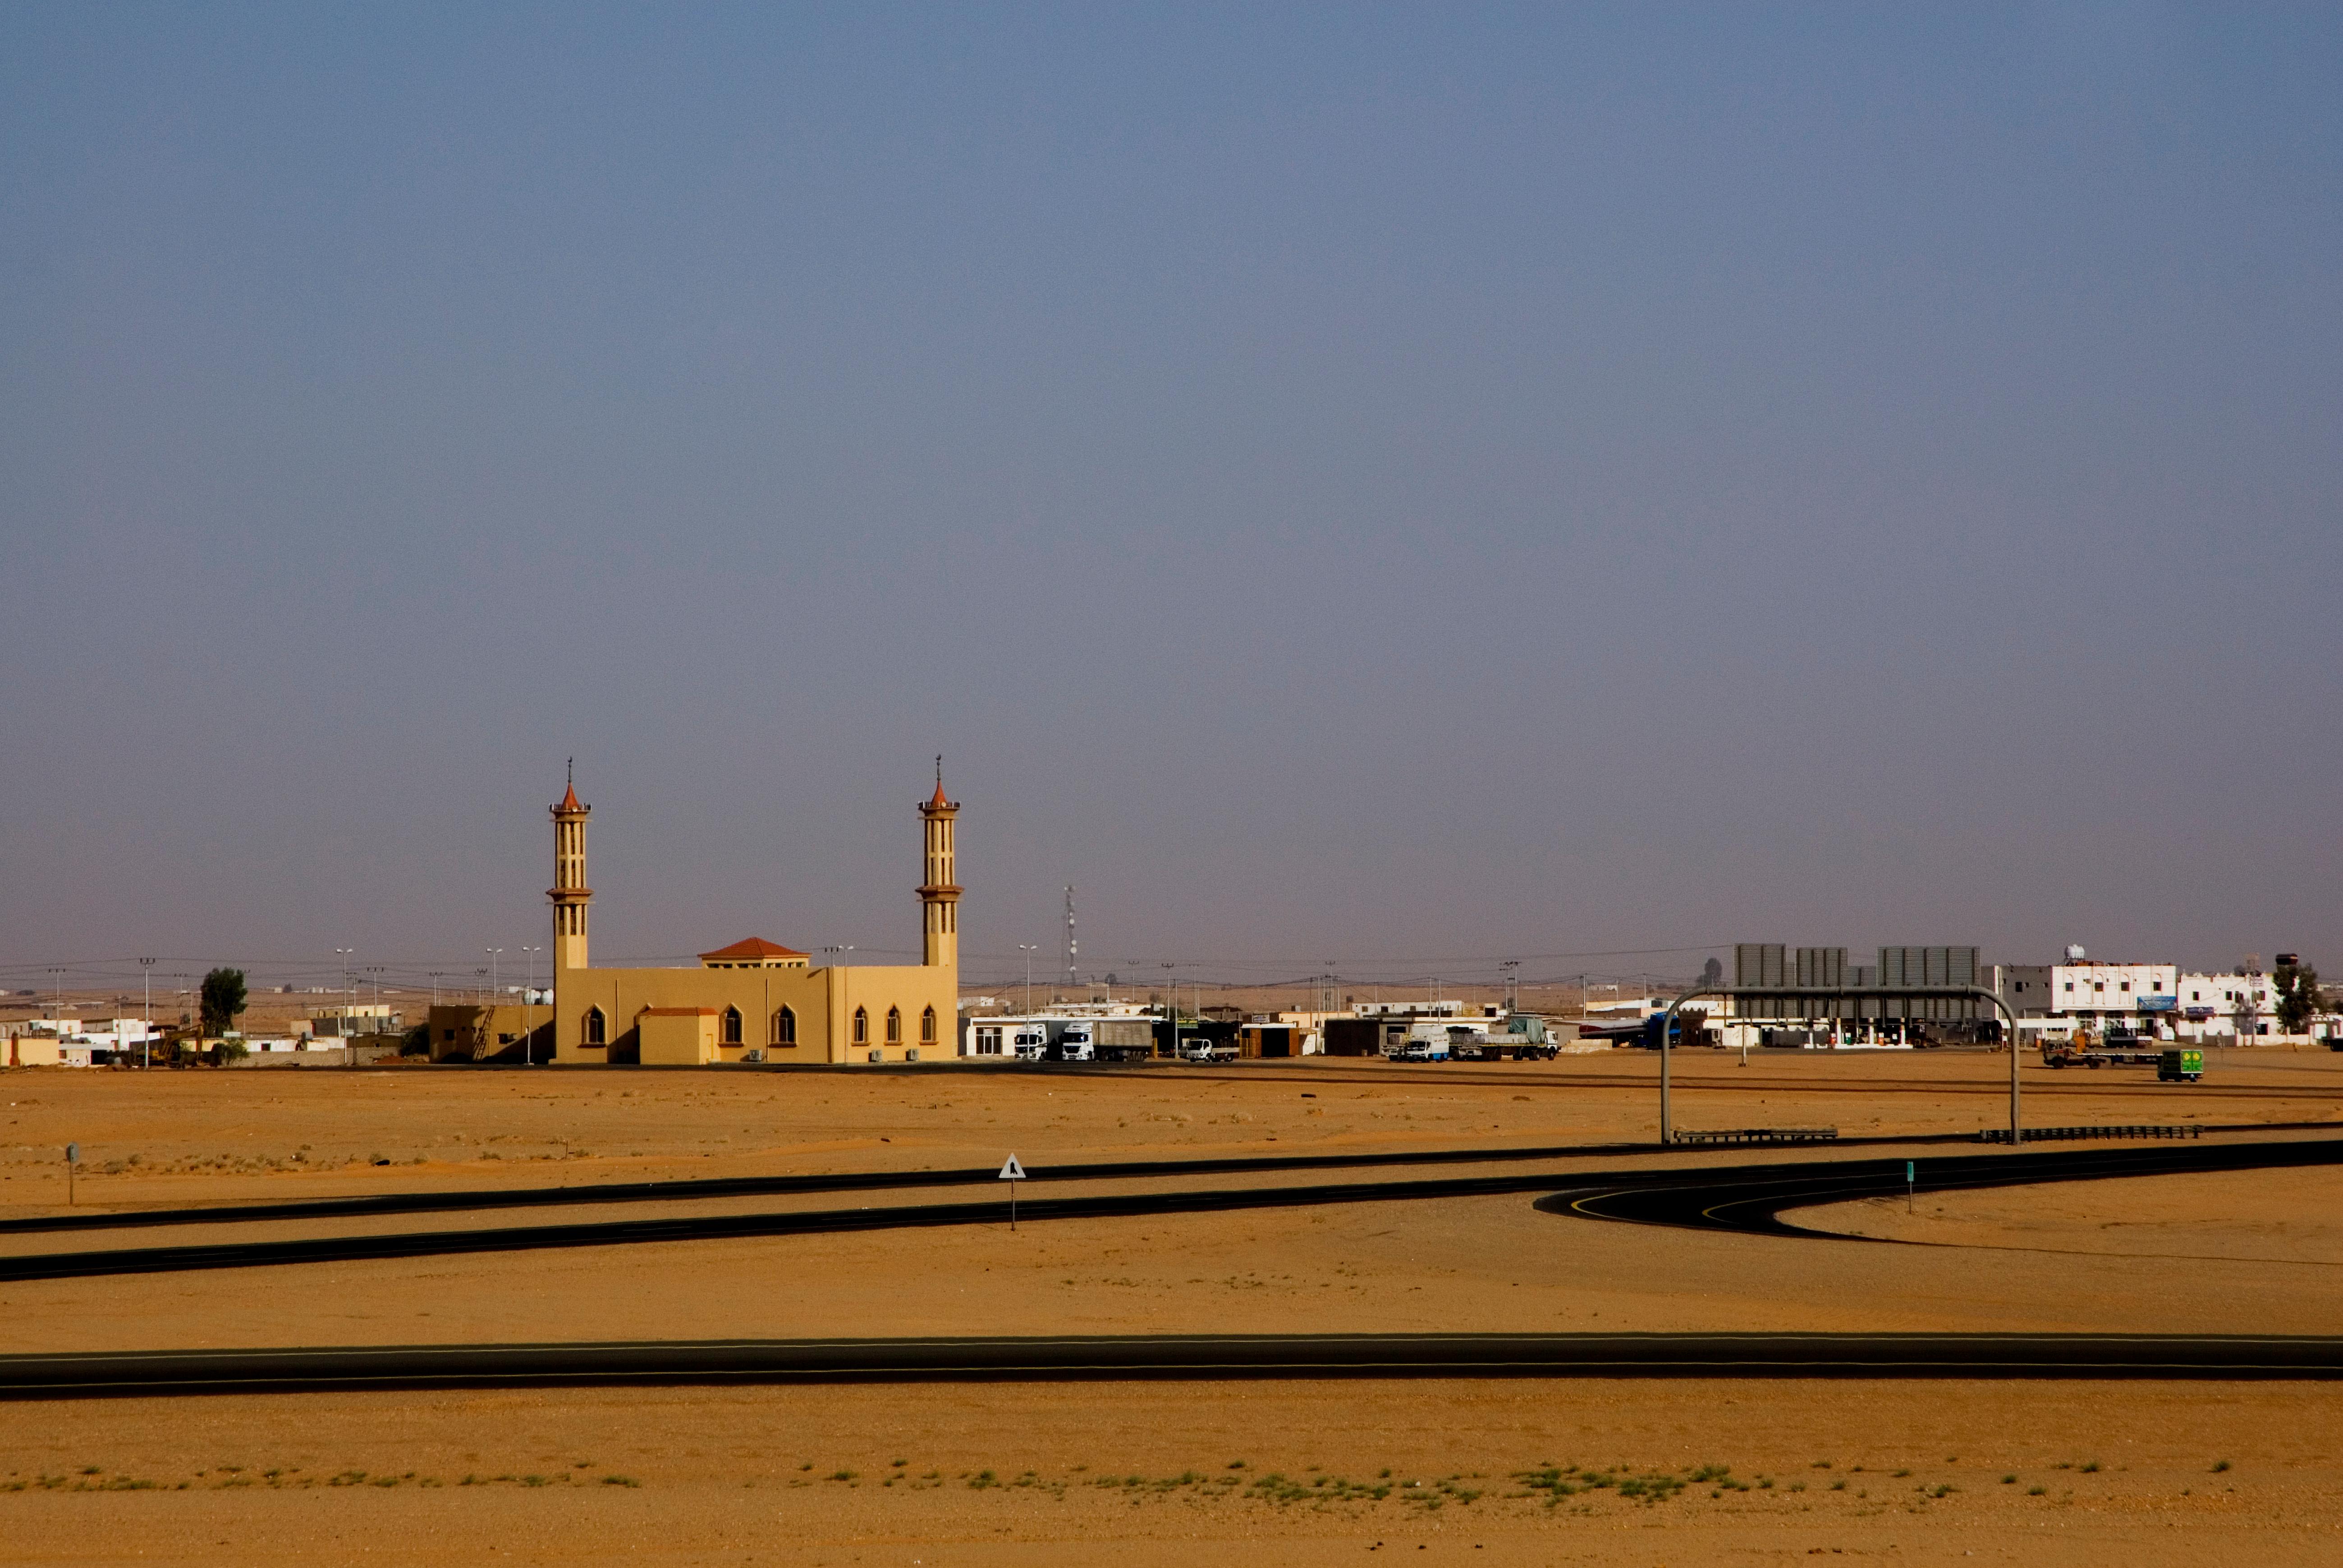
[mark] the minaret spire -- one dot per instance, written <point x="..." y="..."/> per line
<point x="569" y="893"/>
<point x="940" y="888"/>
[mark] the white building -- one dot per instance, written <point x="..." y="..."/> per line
<point x="2232" y="1004"/>
<point x="1450" y="1008"/>
<point x="2088" y="989"/>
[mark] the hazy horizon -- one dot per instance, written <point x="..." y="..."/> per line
<point x="1395" y="487"/>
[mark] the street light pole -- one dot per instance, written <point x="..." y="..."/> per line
<point x="350" y="998"/>
<point x="146" y="1043"/>
<point x="527" y="1042"/>
<point x="1029" y="948"/>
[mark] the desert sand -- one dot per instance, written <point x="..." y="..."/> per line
<point x="1279" y="1472"/>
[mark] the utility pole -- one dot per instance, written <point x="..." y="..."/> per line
<point x="1513" y="986"/>
<point x="435" y="986"/>
<point x="1030" y="948"/>
<point x="496" y="988"/>
<point x="349" y="996"/>
<point x="1071" y="948"/>
<point x="146" y="1045"/>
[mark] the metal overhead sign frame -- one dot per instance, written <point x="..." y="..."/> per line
<point x="1839" y="993"/>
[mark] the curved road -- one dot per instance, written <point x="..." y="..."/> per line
<point x="1745" y="1198"/>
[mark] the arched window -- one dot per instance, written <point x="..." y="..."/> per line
<point x="928" y="1027"/>
<point x="894" y="1026"/>
<point x="596" y="1030"/>
<point x="861" y="1027"/>
<point x="731" y="1026"/>
<point x="785" y="1028"/>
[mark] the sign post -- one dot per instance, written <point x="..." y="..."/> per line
<point x="1911" y="1184"/>
<point x="72" y="1158"/>
<point x="1012" y="1173"/>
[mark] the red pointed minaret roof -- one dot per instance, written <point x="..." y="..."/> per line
<point x="754" y="948"/>
<point x="570" y="794"/>
<point x="939" y="801"/>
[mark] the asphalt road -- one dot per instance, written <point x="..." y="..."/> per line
<point x="471" y="1200"/>
<point x="1746" y="1198"/>
<point x="466" y="1201"/>
<point x="1171" y="1356"/>
<point x="1752" y="1199"/>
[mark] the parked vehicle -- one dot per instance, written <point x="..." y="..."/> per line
<point x="2179" y="1066"/>
<point x="1422" y="1050"/>
<point x="1197" y="1048"/>
<point x="1073" y="1044"/>
<point x="2121" y="1050"/>
<point x="1027" y="1044"/>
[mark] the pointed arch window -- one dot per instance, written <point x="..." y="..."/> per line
<point x="785" y="1028"/>
<point x="894" y="1026"/>
<point x="731" y="1024"/>
<point x="928" y="1027"/>
<point x="861" y="1027"/>
<point x="597" y="1030"/>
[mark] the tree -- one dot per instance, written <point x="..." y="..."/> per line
<point x="223" y="999"/>
<point x="1712" y="974"/>
<point x="2297" y="997"/>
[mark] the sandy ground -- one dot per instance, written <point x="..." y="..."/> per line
<point x="1313" y="1473"/>
<point x="2293" y="1220"/>
<point x="739" y="1475"/>
<point x="258" y="1133"/>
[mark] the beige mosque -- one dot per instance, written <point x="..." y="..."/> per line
<point x="756" y="1000"/>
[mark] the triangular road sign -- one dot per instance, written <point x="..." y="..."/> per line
<point x="1012" y="1171"/>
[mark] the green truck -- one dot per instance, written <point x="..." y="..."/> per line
<point x="2180" y="1066"/>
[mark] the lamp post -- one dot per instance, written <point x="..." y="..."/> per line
<point x="527" y="994"/>
<point x="1029" y="949"/>
<point x="147" y="1044"/>
<point x="496" y="986"/>
<point x="350" y="998"/>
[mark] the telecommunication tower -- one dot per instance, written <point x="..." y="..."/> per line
<point x="1072" y="948"/>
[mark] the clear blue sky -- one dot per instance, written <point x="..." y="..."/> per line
<point x="1375" y="484"/>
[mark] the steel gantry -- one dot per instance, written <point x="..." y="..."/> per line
<point x="1884" y="994"/>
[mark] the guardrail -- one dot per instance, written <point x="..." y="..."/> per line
<point x="2046" y="1134"/>
<point x="1759" y="1135"/>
